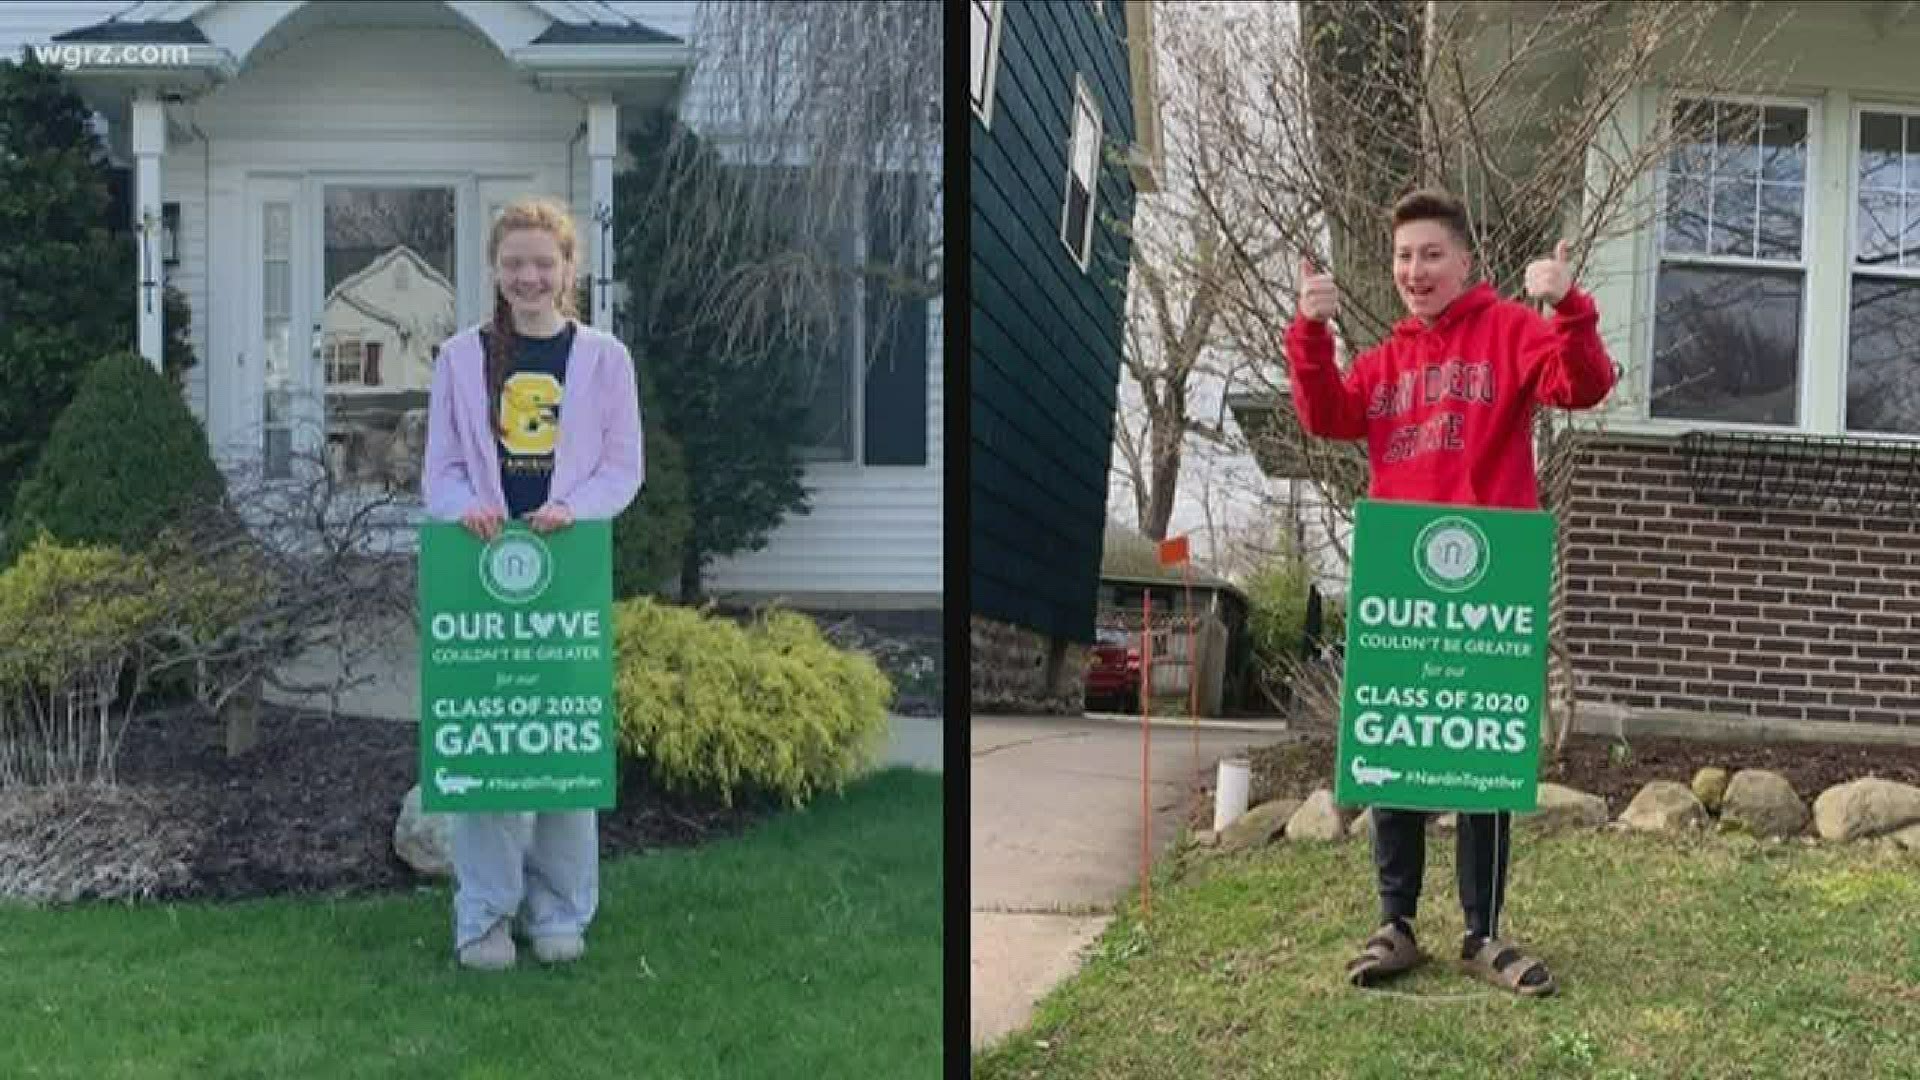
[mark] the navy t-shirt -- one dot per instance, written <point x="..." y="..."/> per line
<point x="529" y="417"/>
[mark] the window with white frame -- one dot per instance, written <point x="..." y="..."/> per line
<point x="1083" y="174"/>
<point x="1730" y="294"/>
<point x="1883" y="303"/>
<point x="983" y="43"/>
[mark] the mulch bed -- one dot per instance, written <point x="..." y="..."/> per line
<point x="310" y="809"/>
<point x="1593" y="765"/>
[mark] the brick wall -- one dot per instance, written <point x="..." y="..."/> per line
<point x="1774" y="614"/>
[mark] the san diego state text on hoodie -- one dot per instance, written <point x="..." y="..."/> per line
<point x="1447" y="409"/>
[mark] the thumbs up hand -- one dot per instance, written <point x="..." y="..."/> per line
<point x="1319" y="298"/>
<point x="1549" y="279"/>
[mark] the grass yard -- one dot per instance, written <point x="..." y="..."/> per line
<point x="810" y="947"/>
<point x="1677" y="958"/>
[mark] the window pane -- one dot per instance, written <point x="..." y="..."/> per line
<point x="1913" y="154"/>
<point x="1074" y="230"/>
<point x="1727" y="345"/>
<point x="1909" y="239"/>
<point x="1878" y="228"/>
<point x="1693" y="138"/>
<point x="1781" y="214"/>
<point x="1732" y="218"/>
<point x="388" y="262"/>
<point x="1686" y="220"/>
<point x="1086" y="144"/>
<point x="1736" y="140"/>
<point x="1879" y="151"/>
<point x="1883" y="357"/>
<point x="1783" y="144"/>
<point x="979" y="30"/>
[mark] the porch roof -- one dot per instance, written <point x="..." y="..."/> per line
<point x="610" y="55"/>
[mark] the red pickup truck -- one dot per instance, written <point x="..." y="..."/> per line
<point x="1113" y="670"/>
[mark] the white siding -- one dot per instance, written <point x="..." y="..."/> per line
<point x="871" y="531"/>
<point x="183" y="177"/>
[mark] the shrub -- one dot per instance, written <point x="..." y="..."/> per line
<point x="65" y="277"/>
<point x="1277" y="615"/>
<point x="650" y="536"/>
<point x="714" y="707"/>
<point x="72" y="627"/>
<point x="125" y="459"/>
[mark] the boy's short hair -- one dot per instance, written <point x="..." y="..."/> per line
<point x="1433" y="204"/>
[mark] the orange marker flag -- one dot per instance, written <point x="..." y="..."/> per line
<point x="1174" y="552"/>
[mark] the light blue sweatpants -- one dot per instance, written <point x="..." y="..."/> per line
<point x="548" y="861"/>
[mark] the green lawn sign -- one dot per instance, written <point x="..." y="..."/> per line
<point x="516" y="669"/>
<point x="1446" y="658"/>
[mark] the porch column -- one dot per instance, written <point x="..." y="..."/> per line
<point x="149" y="143"/>
<point x="603" y="125"/>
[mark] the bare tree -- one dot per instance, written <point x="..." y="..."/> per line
<point x="834" y="110"/>
<point x="1176" y="361"/>
<point x="292" y="584"/>
<point x="1317" y="126"/>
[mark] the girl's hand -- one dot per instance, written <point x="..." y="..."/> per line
<point x="484" y="521"/>
<point x="550" y="518"/>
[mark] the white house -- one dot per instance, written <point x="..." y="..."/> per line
<point x="317" y="179"/>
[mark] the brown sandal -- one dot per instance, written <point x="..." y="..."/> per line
<point x="1389" y="952"/>
<point x="1503" y="964"/>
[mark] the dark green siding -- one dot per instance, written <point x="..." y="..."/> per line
<point x="1046" y="336"/>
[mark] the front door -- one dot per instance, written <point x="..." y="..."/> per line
<point x="352" y="288"/>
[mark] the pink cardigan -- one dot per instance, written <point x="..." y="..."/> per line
<point x="598" y="465"/>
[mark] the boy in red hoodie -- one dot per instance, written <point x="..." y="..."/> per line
<point x="1446" y="405"/>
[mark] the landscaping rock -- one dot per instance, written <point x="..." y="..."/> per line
<point x="1318" y="819"/>
<point x="1664" y="806"/>
<point x="1907" y="839"/>
<point x="1710" y="787"/>
<point x="1259" y="826"/>
<point x="423" y="841"/>
<point x="1761" y="802"/>
<point x="1362" y="826"/>
<point x="1561" y="807"/>
<point x="1863" y="808"/>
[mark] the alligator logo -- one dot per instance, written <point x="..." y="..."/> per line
<point x="454" y="785"/>
<point x="1371" y="775"/>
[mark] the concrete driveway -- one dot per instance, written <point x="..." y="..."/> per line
<point x="1055" y="841"/>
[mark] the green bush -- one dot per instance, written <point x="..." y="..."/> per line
<point x="125" y="459"/>
<point x="73" y="627"/>
<point x="651" y="535"/>
<point x="65" y="608"/>
<point x="1277" y="615"/>
<point x="66" y="293"/>
<point x="713" y="707"/>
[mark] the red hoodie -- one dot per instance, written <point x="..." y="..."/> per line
<point x="1447" y="409"/>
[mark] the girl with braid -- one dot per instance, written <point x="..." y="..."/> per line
<point x="536" y="417"/>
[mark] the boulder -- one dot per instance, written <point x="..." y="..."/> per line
<point x="1761" y="802"/>
<point x="1561" y="807"/>
<point x="1870" y="806"/>
<point x="1259" y="826"/>
<point x="1664" y="806"/>
<point x="423" y="841"/>
<point x="1908" y="839"/>
<point x="1710" y="787"/>
<point x="1318" y="819"/>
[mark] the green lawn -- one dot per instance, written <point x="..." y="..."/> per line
<point x="1677" y="958"/>
<point x="810" y="947"/>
